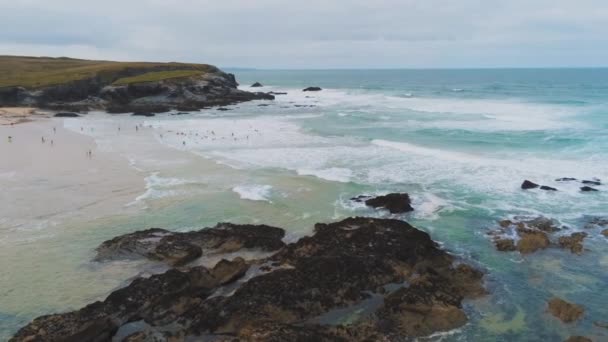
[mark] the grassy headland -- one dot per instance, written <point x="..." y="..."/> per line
<point x="40" y="72"/>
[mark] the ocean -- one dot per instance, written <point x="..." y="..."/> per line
<point x="460" y="142"/>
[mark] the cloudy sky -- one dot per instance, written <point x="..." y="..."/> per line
<point x="313" y="33"/>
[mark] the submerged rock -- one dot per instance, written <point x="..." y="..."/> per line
<point x="396" y="203"/>
<point x="256" y="85"/>
<point x="566" y="312"/>
<point x="565" y="179"/>
<point x="420" y="286"/>
<point x="578" y="339"/>
<point x="574" y="242"/>
<point x="312" y="89"/>
<point x="505" y="245"/>
<point x="177" y="248"/>
<point x="605" y="232"/>
<point x="544" y="187"/>
<point x="533" y="235"/>
<point x="529" y="185"/>
<point x="588" y="188"/>
<point x="532" y="240"/>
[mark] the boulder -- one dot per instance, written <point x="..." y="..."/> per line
<point x="588" y="189"/>
<point x="66" y="115"/>
<point x="566" y="312"/>
<point x="605" y="232"/>
<point x="529" y="185"/>
<point x="256" y="85"/>
<point x="396" y="203"/>
<point x="277" y="93"/>
<point x="544" y="187"/>
<point x="312" y="89"/>
<point x="565" y="179"/>
<point x="574" y="242"/>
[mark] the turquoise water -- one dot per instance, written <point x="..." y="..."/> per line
<point x="459" y="141"/>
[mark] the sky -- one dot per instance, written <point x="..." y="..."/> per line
<point x="313" y="33"/>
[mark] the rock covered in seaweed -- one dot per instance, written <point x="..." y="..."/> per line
<point x="342" y="264"/>
<point x="177" y="248"/>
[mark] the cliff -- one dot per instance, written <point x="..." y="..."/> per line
<point x="118" y="87"/>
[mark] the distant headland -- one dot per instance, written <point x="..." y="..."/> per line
<point x="79" y="85"/>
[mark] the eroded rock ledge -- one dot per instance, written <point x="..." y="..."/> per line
<point x="394" y="273"/>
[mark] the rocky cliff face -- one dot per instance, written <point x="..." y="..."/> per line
<point x="215" y="88"/>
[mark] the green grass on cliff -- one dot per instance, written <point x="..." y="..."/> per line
<point x="39" y="72"/>
<point x="157" y="76"/>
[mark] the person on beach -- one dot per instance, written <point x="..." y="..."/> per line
<point x="10" y="139"/>
<point x="42" y="139"/>
<point x="54" y="129"/>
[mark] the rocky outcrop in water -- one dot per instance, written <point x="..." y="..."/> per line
<point x="529" y="185"/>
<point x="533" y="235"/>
<point x="395" y="203"/>
<point x="312" y="89"/>
<point x="256" y="85"/>
<point x="389" y="278"/>
<point x="177" y="248"/>
<point x="566" y="312"/>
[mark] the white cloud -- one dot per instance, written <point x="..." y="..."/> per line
<point x="315" y="33"/>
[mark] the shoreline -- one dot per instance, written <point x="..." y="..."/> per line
<point x="16" y="115"/>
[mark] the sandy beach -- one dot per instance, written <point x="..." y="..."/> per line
<point x="47" y="174"/>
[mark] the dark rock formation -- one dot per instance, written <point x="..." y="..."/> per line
<point x="544" y="187"/>
<point x="565" y="179"/>
<point x="101" y="320"/>
<point x="529" y="185"/>
<point x="588" y="188"/>
<point x="277" y="93"/>
<point x="256" y="85"/>
<point x="66" y="115"/>
<point x="419" y="287"/>
<point x="591" y="182"/>
<point x="574" y="242"/>
<point x="208" y="89"/>
<point x="566" y="312"/>
<point x="180" y="248"/>
<point x="396" y="203"/>
<point x="605" y="232"/>
<point x="312" y="89"/>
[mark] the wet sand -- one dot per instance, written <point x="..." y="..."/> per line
<point x="47" y="174"/>
<point x="16" y="115"/>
